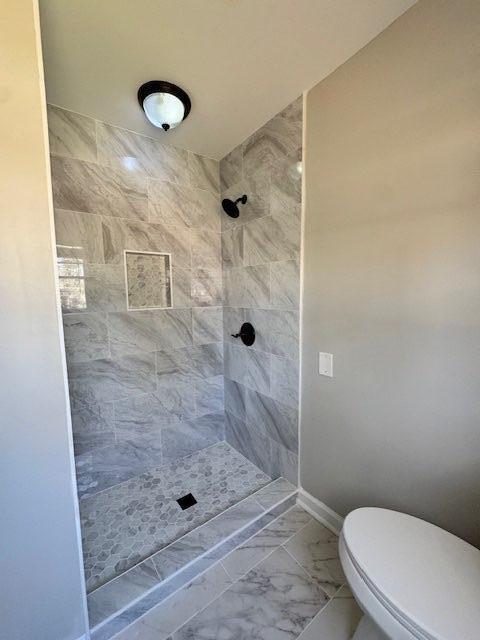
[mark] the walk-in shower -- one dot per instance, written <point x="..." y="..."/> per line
<point x="181" y="334"/>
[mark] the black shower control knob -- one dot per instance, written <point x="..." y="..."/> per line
<point x="246" y="333"/>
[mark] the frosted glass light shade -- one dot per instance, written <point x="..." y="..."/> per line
<point x="165" y="104"/>
<point x="164" y="109"/>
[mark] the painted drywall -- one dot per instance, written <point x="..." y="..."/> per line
<point x="241" y="62"/>
<point x="41" y="579"/>
<point x="392" y="273"/>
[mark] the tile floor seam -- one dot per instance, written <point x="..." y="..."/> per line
<point x="254" y="536"/>
<point x="233" y="583"/>
<point x="320" y="612"/>
<point x="306" y="572"/>
<point x="201" y="608"/>
<point x="322" y="608"/>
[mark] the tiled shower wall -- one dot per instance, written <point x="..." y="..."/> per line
<point x="146" y="386"/>
<point x="261" y="250"/>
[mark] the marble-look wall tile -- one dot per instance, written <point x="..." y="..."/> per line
<point x="272" y="418"/>
<point x="79" y="236"/>
<point x="276" y="331"/>
<point x="125" y="149"/>
<point x="150" y="412"/>
<point x="207" y="325"/>
<point x="115" y="190"/>
<point x="151" y="330"/>
<point x="209" y="395"/>
<point x="235" y="399"/>
<point x="184" y="438"/>
<point x="181" y="204"/>
<point x="272" y="239"/>
<point x="247" y="287"/>
<point x="270" y="456"/>
<point x="71" y="134"/>
<point x="278" y="138"/>
<point x="93" y="425"/>
<point x="284" y="375"/>
<point x="206" y="248"/>
<point x="119" y="235"/>
<point x="188" y="364"/>
<point x="233" y="318"/>
<point x="260" y="258"/>
<point x="286" y="185"/>
<point x="204" y="172"/>
<point x="232" y="247"/>
<point x="90" y="188"/>
<point x="110" y="465"/>
<point x="181" y="287"/>
<point x="109" y="379"/>
<point x="257" y="190"/>
<point x="86" y="336"/>
<point x="207" y="290"/>
<point x="248" y="367"/>
<point x="284" y="284"/>
<point x="105" y="287"/>
<point x="231" y="168"/>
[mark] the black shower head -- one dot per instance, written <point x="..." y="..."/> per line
<point x="231" y="207"/>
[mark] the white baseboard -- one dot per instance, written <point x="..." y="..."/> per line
<point x="320" y="511"/>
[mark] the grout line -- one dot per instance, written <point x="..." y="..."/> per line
<point x="198" y="610"/>
<point x="137" y="133"/>
<point x="235" y="580"/>
<point x="306" y="572"/>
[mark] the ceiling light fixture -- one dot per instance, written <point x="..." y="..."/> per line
<point x="165" y="104"/>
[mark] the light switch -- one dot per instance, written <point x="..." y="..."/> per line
<point x="325" y="364"/>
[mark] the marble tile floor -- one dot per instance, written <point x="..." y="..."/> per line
<point x="125" y="524"/>
<point x="283" y="583"/>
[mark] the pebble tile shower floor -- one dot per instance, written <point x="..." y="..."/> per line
<point x="124" y="525"/>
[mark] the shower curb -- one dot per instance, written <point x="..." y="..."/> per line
<point x="119" y="617"/>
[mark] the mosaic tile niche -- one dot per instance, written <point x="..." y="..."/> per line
<point x="144" y="353"/>
<point x="149" y="283"/>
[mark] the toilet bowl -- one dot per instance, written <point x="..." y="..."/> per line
<point x="412" y="580"/>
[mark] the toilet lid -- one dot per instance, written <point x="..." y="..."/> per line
<point x="428" y="579"/>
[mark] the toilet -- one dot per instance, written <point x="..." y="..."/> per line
<point x="412" y="580"/>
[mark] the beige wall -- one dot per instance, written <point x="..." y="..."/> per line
<point x="392" y="273"/>
<point x="40" y="570"/>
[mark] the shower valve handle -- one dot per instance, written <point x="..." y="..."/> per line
<point x="246" y="333"/>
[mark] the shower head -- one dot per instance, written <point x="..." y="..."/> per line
<point x="231" y="207"/>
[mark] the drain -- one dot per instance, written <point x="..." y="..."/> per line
<point x="186" y="501"/>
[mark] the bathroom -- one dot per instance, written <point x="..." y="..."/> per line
<point x="241" y="387"/>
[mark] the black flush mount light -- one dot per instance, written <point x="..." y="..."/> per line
<point x="164" y="104"/>
<point x="246" y="334"/>
<point x="231" y="206"/>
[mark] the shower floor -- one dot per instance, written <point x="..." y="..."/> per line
<point x="125" y="524"/>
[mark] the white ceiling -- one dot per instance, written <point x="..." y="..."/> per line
<point x="241" y="61"/>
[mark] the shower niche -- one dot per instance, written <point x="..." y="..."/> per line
<point x="148" y="278"/>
